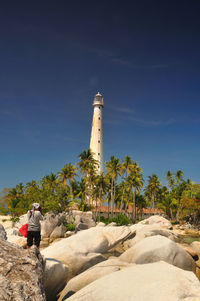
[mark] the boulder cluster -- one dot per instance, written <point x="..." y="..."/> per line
<point x="152" y="264"/>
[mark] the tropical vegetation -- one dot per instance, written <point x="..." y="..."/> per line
<point x="120" y="188"/>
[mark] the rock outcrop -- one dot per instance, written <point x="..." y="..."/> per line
<point x="21" y="273"/>
<point x="55" y="277"/>
<point x="3" y="234"/>
<point x="158" y="281"/>
<point x="83" y="220"/>
<point x="99" y="270"/>
<point x="157" y="220"/>
<point x="157" y="248"/>
<point x="143" y="231"/>
<point x="85" y="249"/>
<point x="50" y="222"/>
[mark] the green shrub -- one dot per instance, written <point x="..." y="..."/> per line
<point x="70" y="227"/>
<point x="120" y="220"/>
<point x="84" y="207"/>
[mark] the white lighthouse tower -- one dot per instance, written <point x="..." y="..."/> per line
<point x="96" y="140"/>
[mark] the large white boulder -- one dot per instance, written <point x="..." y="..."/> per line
<point x="50" y="222"/>
<point x="99" y="270"/>
<point x="156" y="248"/>
<point x="157" y="219"/>
<point x="158" y="281"/>
<point x="58" y="232"/>
<point x="83" y="217"/>
<point x="143" y="231"/>
<point x="93" y="240"/>
<point x="55" y="277"/>
<point x="83" y="249"/>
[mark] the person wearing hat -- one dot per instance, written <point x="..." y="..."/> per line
<point x="34" y="228"/>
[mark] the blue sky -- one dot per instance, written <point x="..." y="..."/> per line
<point x="144" y="59"/>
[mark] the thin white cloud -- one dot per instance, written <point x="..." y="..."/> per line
<point x="150" y="122"/>
<point x="119" y="61"/>
<point x="131" y="64"/>
<point x="121" y="109"/>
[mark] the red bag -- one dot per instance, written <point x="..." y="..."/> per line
<point x="24" y="230"/>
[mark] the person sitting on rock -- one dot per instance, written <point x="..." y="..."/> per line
<point x="34" y="228"/>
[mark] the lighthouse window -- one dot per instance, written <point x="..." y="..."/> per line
<point x="99" y="130"/>
<point x="99" y="154"/>
<point x="98" y="141"/>
<point x="99" y="118"/>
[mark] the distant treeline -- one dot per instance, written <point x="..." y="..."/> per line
<point x="122" y="186"/>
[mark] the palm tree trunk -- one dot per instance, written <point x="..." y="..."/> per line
<point x="112" y="197"/>
<point x="152" y="199"/>
<point x="122" y="201"/>
<point x="133" y="210"/>
<point x="108" y="209"/>
<point x="70" y="187"/>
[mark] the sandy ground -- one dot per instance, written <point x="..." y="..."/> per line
<point x="5" y="221"/>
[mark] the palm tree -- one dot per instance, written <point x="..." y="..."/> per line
<point x="13" y="202"/>
<point x="165" y="201"/>
<point x="91" y="178"/>
<point x="87" y="166"/>
<point x="50" y="180"/>
<point x="135" y="182"/>
<point x="123" y="191"/>
<point x="32" y="193"/>
<point x="113" y="169"/>
<point x="179" y="176"/>
<point x="81" y="190"/>
<point x="49" y="184"/>
<point x="68" y="172"/>
<point x="101" y="185"/>
<point x="152" y="189"/>
<point x="170" y="179"/>
<point x="109" y="191"/>
<point x="33" y="183"/>
<point x="141" y="203"/>
<point x="86" y="158"/>
<point x="127" y="165"/>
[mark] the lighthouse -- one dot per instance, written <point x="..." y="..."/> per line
<point x="96" y="140"/>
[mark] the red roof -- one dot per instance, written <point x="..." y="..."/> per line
<point x="104" y="209"/>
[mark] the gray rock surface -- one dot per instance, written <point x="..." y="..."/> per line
<point x="55" y="277"/>
<point x="99" y="270"/>
<point x="157" y="248"/>
<point x="3" y="234"/>
<point x="158" y="281"/>
<point x="50" y="222"/>
<point x="81" y="226"/>
<point x="82" y="250"/>
<point x="58" y="232"/>
<point x="83" y="217"/>
<point x="158" y="220"/>
<point x="143" y="231"/>
<point x="21" y="273"/>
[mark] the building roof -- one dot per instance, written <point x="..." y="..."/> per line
<point x="104" y="209"/>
